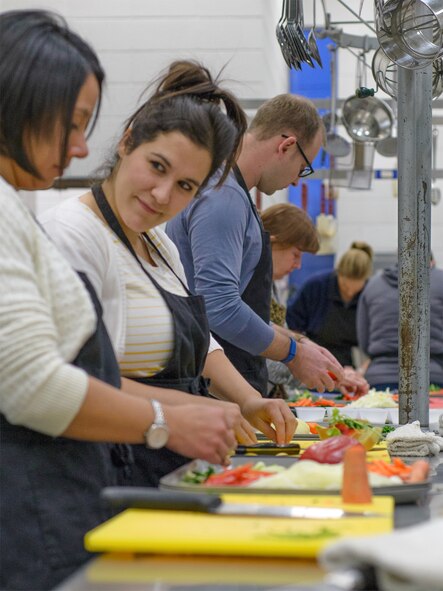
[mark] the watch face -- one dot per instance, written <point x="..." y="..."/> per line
<point x="157" y="436"/>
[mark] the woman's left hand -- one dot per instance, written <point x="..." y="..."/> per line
<point x="272" y="417"/>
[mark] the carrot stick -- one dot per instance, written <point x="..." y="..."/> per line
<point x="419" y="472"/>
<point x="355" y="487"/>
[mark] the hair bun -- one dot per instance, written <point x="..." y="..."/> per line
<point x="364" y="246"/>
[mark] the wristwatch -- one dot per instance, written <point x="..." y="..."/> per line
<point x="157" y="435"/>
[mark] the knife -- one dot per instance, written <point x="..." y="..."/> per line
<point x="267" y="449"/>
<point x="121" y="497"/>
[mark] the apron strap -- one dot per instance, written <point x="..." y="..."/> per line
<point x="241" y="181"/>
<point x="113" y="223"/>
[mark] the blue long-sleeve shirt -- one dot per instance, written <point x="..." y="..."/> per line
<point x="219" y="241"/>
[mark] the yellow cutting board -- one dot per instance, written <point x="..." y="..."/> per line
<point x="177" y="532"/>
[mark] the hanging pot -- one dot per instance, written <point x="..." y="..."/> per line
<point x="410" y="32"/>
<point x="367" y="119"/>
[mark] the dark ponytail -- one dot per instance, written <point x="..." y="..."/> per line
<point x="188" y="100"/>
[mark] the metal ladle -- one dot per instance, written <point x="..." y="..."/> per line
<point x="335" y="144"/>
<point x="312" y="41"/>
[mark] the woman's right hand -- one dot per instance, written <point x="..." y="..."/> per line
<point x="203" y="431"/>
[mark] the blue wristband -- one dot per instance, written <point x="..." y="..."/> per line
<point x="292" y="351"/>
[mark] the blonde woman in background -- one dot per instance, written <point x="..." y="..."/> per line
<point x="325" y="307"/>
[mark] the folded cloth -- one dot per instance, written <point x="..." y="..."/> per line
<point x="410" y="440"/>
<point x="399" y="559"/>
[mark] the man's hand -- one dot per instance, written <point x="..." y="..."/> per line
<point x="316" y="367"/>
<point x="272" y="417"/>
<point x="353" y="383"/>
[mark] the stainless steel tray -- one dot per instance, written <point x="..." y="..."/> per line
<point x="402" y="493"/>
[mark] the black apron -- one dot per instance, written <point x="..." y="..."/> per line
<point x="257" y="296"/>
<point x="184" y="369"/>
<point x="338" y="332"/>
<point x="50" y="486"/>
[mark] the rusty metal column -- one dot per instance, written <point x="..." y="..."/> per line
<point x="414" y="227"/>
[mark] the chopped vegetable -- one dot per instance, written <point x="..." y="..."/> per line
<point x="375" y="399"/>
<point x="355" y="487"/>
<point x="302" y="428"/>
<point x="240" y="476"/>
<point x="339" y="424"/>
<point x="196" y="477"/>
<point x="396" y="468"/>
<point x="312" y="427"/>
<point x="419" y="472"/>
<point x="329" y="451"/>
<point x="387" y="429"/>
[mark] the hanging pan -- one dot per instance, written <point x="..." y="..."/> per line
<point x="367" y="119"/>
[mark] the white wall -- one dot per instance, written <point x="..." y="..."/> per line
<point x="137" y="38"/>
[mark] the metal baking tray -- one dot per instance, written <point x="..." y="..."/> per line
<point x="402" y="493"/>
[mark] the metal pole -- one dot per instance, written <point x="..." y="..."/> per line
<point x="414" y="224"/>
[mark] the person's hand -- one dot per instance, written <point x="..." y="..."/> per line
<point x="316" y="367"/>
<point x="244" y="432"/>
<point x="353" y="383"/>
<point x="272" y="417"/>
<point x="203" y="431"/>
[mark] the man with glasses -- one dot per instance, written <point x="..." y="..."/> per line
<point x="227" y="255"/>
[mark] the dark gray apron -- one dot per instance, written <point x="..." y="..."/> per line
<point x="50" y="486"/>
<point x="338" y="332"/>
<point x="257" y="296"/>
<point x="184" y="368"/>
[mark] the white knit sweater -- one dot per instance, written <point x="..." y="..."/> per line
<point x="45" y="317"/>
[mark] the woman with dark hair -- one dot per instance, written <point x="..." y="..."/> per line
<point x="170" y="148"/>
<point x="60" y="401"/>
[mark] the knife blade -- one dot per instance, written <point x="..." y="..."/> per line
<point x="147" y="498"/>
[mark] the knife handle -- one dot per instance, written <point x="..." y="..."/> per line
<point x="124" y="497"/>
<point x="268" y="449"/>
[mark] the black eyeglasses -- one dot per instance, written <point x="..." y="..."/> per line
<point x="308" y="170"/>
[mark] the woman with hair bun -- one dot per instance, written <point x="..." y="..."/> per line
<point x="170" y="147"/>
<point x="325" y="307"/>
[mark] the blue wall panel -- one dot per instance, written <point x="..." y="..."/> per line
<point x="314" y="83"/>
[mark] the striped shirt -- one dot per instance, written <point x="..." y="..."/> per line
<point x="136" y="316"/>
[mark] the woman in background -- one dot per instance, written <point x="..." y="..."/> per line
<point x="59" y="401"/>
<point x="169" y="149"/>
<point x="325" y="307"/>
<point x="292" y="233"/>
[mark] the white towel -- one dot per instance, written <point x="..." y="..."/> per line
<point x="410" y="440"/>
<point x="409" y="559"/>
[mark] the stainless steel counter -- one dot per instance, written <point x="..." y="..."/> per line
<point x="170" y="573"/>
